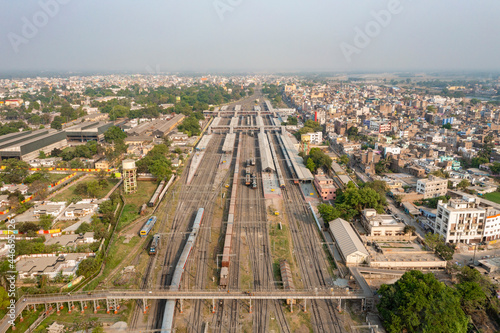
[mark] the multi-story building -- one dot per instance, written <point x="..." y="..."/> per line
<point x="460" y="220"/>
<point x="432" y="187"/>
<point x="325" y="187"/>
<point x="314" y="138"/>
<point x="491" y="225"/>
<point x="380" y="127"/>
<point x="380" y="224"/>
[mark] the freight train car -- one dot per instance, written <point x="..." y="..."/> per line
<point x="155" y="244"/>
<point x="156" y="195"/>
<point x="148" y="226"/>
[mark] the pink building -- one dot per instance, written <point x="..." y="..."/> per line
<point x="325" y="187"/>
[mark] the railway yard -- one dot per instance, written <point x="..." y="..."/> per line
<point x="233" y="249"/>
<point x="231" y="229"/>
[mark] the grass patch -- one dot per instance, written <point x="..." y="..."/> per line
<point x="130" y="213"/>
<point x="69" y="192"/>
<point x="134" y="201"/>
<point x="493" y="196"/>
<point x="54" y="177"/>
<point x="117" y="252"/>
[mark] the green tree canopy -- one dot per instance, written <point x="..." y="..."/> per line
<point x="420" y="303"/>
<point x="114" y="134"/>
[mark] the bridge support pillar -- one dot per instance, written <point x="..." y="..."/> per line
<point x="250" y="305"/>
<point x="305" y="305"/>
<point x="340" y="304"/>
<point x="69" y="307"/>
<point x="144" y="305"/>
<point x="95" y="306"/>
<point x="181" y="303"/>
<point x="107" y="306"/>
<point x="58" y="307"/>
<point x="82" y="308"/>
<point x="21" y="319"/>
<point x="291" y="306"/>
<point x="213" y="305"/>
<point x="116" y="305"/>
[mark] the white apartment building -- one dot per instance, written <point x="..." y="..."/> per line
<point x="492" y="225"/>
<point x="432" y="187"/>
<point x="460" y="220"/>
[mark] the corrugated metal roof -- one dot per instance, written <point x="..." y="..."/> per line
<point x="266" y="158"/>
<point x="346" y="238"/>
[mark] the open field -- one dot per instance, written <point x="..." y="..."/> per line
<point x="69" y="192"/>
<point x="494" y="196"/>
<point x="134" y="201"/>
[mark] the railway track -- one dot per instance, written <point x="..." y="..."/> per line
<point x="198" y="194"/>
<point x="309" y="255"/>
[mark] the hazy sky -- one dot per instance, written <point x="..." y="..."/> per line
<point x="249" y="35"/>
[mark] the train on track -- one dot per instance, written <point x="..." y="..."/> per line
<point x="224" y="272"/>
<point x="168" y="314"/>
<point x="156" y="195"/>
<point x="148" y="226"/>
<point x="155" y="244"/>
<point x="254" y="181"/>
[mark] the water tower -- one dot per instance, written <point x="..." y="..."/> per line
<point x="129" y="176"/>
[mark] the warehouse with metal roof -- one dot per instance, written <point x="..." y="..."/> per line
<point x="158" y="127"/>
<point x="88" y="131"/>
<point x="347" y="241"/>
<point x="27" y="145"/>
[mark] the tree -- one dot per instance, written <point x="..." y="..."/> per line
<point x="311" y="165"/>
<point x="88" y="267"/>
<point x="190" y="126"/>
<point x="445" y="251"/>
<point x="418" y="302"/>
<point x="409" y="229"/>
<point x="4" y="298"/>
<point x="56" y="123"/>
<point x="15" y="171"/>
<point x="431" y="108"/>
<point x="114" y="134"/>
<point x="352" y="131"/>
<point x="56" y="152"/>
<point x="464" y="183"/>
<point x="472" y="295"/>
<point x="432" y="240"/>
<point x="28" y="227"/>
<point x="447" y="126"/>
<point x="46" y="222"/>
<point x="495" y="168"/>
<point x="328" y="212"/>
<point x="344" y="159"/>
